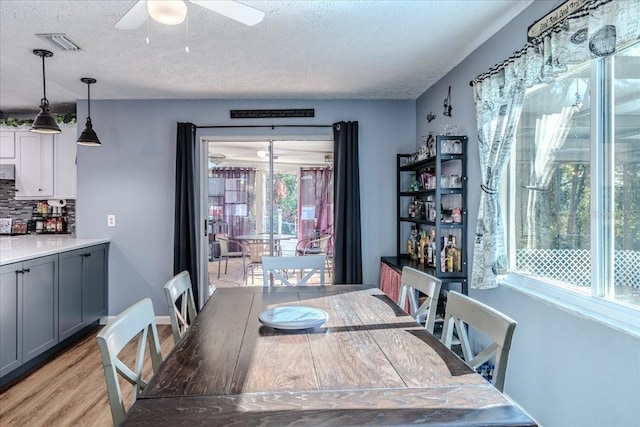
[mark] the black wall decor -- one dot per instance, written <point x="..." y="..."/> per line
<point x="270" y="114"/>
<point x="430" y="117"/>
<point x="447" y="104"/>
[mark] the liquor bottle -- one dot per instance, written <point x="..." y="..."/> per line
<point x="449" y="255"/>
<point x="431" y="249"/>
<point x="423" y="247"/>
<point x="443" y="255"/>
<point x="411" y="244"/>
<point x="412" y="208"/>
<point x="456" y="254"/>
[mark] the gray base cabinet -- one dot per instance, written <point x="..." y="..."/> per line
<point x="11" y="315"/>
<point x="29" y="310"/>
<point x="83" y="288"/>
<point x="45" y="300"/>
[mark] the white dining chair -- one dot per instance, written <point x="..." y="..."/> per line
<point x="462" y="311"/>
<point x="413" y="280"/>
<point x="281" y="267"/>
<point x="137" y="320"/>
<point x="179" y="287"/>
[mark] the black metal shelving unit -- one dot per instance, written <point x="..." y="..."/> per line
<point x="442" y="169"/>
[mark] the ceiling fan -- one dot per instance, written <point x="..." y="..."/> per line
<point x="173" y="12"/>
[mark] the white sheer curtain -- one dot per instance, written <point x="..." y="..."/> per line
<point x="551" y="132"/>
<point x="597" y="30"/>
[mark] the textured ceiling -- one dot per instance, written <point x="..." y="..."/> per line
<point x="302" y="50"/>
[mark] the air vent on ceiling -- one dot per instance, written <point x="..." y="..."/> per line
<point x="61" y="41"/>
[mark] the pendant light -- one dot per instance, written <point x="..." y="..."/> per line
<point x="44" y="121"/>
<point x="88" y="136"/>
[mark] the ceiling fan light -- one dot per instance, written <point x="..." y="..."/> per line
<point x="217" y="159"/>
<point x="167" y="12"/>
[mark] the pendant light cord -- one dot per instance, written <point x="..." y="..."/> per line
<point x="89" y="99"/>
<point x="44" y="84"/>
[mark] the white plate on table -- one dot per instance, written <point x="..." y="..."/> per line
<point x="293" y="317"/>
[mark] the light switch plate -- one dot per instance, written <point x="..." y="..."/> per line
<point x="111" y="220"/>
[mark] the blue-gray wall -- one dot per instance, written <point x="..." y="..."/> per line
<point x="564" y="369"/>
<point x="132" y="176"/>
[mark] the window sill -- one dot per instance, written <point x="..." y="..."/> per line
<point x="621" y="318"/>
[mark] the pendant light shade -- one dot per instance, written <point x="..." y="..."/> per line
<point x="88" y="136"/>
<point x="44" y="121"/>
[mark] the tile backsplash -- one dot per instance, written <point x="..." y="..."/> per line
<point x="22" y="210"/>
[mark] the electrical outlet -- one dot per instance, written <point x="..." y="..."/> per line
<point x="111" y="220"/>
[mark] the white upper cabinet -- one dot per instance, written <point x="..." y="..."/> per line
<point x="34" y="165"/>
<point x="65" y="163"/>
<point x="45" y="164"/>
<point x="7" y="145"/>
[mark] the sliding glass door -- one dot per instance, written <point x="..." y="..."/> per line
<point x="278" y="192"/>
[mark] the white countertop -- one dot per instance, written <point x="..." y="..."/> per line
<point x="20" y="248"/>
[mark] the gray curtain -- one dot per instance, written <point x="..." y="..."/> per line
<point x="347" y="238"/>
<point x="185" y="240"/>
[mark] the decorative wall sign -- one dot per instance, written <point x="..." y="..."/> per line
<point x="447" y="104"/>
<point x="270" y="114"/>
<point x="553" y="17"/>
<point x="430" y="117"/>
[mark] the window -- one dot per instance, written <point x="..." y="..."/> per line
<point x="575" y="205"/>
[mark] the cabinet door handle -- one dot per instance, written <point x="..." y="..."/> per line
<point x="19" y="272"/>
<point x="86" y="255"/>
<point x="26" y="270"/>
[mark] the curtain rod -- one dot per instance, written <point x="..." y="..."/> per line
<point x="263" y="126"/>
<point x="559" y="26"/>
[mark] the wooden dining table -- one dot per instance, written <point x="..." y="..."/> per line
<point x="370" y="363"/>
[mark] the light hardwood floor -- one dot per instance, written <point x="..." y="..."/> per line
<point x="70" y="389"/>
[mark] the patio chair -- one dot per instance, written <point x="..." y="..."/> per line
<point x="225" y="252"/>
<point x="315" y="246"/>
<point x="256" y="251"/>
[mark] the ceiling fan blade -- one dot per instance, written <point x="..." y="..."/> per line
<point x="234" y="10"/>
<point x="135" y="17"/>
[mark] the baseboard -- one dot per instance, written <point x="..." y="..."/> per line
<point x="160" y="320"/>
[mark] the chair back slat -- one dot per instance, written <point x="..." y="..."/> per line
<point x="137" y="320"/>
<point x="461" y="312"/>
<point x="177" y="288"/>
<point x="281" y="267"/>
<point x="413" y="280"/>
